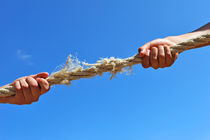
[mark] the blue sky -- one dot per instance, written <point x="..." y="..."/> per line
<point x="165" y="104"/>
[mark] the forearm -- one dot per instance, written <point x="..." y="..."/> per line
<point x="204" y="28"/>
<point x="180" y="38"/>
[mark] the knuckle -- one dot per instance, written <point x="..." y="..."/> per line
<point x="161" y="65"/>
<point x="153" y="49"/>
<point x="43" y="91"/>
<point x="25" y="86"/>
<point x="154" y="59"/>
<point x="17" y="90"/>
<point x="45" y="84"/>
<point x="31" y="82"/>
<point x="42" y="82"/>
<point x="34" y="84"/>
<point x="29" y="103"/>
<point x="170" y="64"/>
<point x="155" y="68"/>
<point x="168" y="54"/>
<point x="167" y="65"/>
<point x="48" y="88"/>
<point x="146" y="55"/>
<point x="161" y="56"/>
<point x="145" y="66"/>
<point x="155" y="65"/>
<point x="35" y="99"/>
<point x="28" y="78"/>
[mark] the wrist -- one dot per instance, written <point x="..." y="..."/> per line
<point x="187" y="36"/>
<point x="175" y="39"/>
<point x="180" y="38"/>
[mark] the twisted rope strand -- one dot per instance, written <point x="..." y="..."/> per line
<point x="114" y="65"/>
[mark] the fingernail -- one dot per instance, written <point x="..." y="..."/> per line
<point x="38" y="78"/>
<point x="148" y="51"/>
<point x="143" y="50"/>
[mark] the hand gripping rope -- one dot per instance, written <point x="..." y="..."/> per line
<point x="71" y="72"/>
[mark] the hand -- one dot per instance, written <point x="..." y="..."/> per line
<point x="28" y="89"/>
<point x="157" y="54"/>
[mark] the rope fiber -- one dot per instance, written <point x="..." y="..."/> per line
<point x="113" y="65"/>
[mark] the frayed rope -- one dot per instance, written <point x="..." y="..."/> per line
<point x="73" y="70"/>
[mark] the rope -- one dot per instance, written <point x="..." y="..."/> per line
<point x="72" y="72"/>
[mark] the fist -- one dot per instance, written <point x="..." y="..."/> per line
<point x="157" y="54"/>
<point x="28" y="89"/>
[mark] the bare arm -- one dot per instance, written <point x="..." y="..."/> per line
<point x="180" y="38"/>
<point x="28" y="89"/>
<point x="156" y="54"/>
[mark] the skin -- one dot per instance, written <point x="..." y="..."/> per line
<point x="157" y="54"/>
<point x="28" y="89"/>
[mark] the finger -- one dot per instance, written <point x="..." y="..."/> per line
<point x="175" y="56"/>
<point x="143" y="49"/>
<point x="19" y="97"/>
<point x="12" y="99"/>
<point x="154" y="58"/>
<point x="145" y="60"/>
<point x="34" y="88"/>
<point x="4" y="100"/>
<point x="141" y="52"/>
<point x="44" y="85"/>
<point x="168" y="55"/>
<point x="17" y="85"/>
<point x="161" y="56"/>
<point x="26" y="91"/>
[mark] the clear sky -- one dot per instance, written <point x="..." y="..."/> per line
<point x="165" y="104"/>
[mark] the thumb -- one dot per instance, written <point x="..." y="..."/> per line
<point x="143" y="49"/>
<point x="175" y="56"/>
<point x="41" y="75"/>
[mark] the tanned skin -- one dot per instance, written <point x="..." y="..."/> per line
<point x="157" y="54"/>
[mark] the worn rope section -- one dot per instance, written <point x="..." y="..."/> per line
<point x="72" y="72"/>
